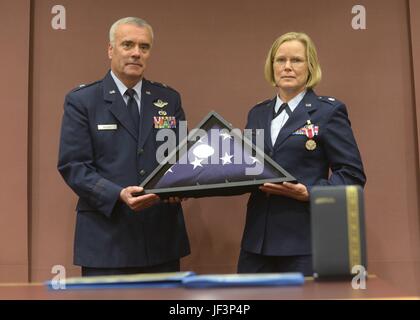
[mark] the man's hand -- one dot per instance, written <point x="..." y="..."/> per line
<point x="140" y="202"/>
<point x="296" y="191"/>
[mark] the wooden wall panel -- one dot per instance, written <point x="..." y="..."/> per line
<point x="414" y="7"/>
<point x="14" y="42"/>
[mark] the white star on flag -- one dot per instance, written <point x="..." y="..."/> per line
<point x="226" y="158"/>
<point x="197" y="163"/>
<point x="225" y="136"/>
<point x="255" y="160"/>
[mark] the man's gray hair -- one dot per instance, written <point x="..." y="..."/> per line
<point x="129" y="20"/>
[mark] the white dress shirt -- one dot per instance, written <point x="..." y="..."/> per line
<point x="122" y="89"/>
<point x="280" y="120"/>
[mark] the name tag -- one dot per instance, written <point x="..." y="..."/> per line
<point x="107" y="127"/>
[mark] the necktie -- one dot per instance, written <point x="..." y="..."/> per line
<point x="284" y="106"/>
<point x="133" y="108"/>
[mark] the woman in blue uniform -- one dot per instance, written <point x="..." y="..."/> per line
<point x="310" y="136"/>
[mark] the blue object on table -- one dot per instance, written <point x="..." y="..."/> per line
<point x="244" y="280"/>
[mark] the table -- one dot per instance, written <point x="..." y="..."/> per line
<point x="376" y="288"/>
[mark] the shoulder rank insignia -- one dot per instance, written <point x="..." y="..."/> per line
<point x="84" y="85"/>
<point x="330" y="100"/>
<point x="160" y="104"/>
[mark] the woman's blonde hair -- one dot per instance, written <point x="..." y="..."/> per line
<point x="314" y="74"/>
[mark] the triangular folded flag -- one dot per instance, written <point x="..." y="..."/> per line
<point x="214" y="160"/>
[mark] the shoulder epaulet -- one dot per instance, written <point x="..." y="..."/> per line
<point x="83" y="86"/>
<point x="262" y="102"/>
<point x="162" y="85"/>
<point x="330" y="100"/>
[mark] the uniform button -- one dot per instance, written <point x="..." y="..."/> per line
<point x="270" y="154"/>
<point x="142" y="172"/>
<point x="140" y="152"/>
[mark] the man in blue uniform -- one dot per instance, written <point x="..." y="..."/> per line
<point x="108" y="146"/>
<point x="309" y="136"/>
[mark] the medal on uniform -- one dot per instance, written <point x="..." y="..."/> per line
<point x="310" y="133"/>
<point x="310" y="145"/>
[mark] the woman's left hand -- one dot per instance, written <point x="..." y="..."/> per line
<point x="296" y="191"/>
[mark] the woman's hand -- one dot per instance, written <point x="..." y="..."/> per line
<point x="296" y="191"/>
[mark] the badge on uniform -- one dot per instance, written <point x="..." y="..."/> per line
<point x="164" y="122"/>
<point x="311" y="131"/>
<point x="160" y="104"/>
